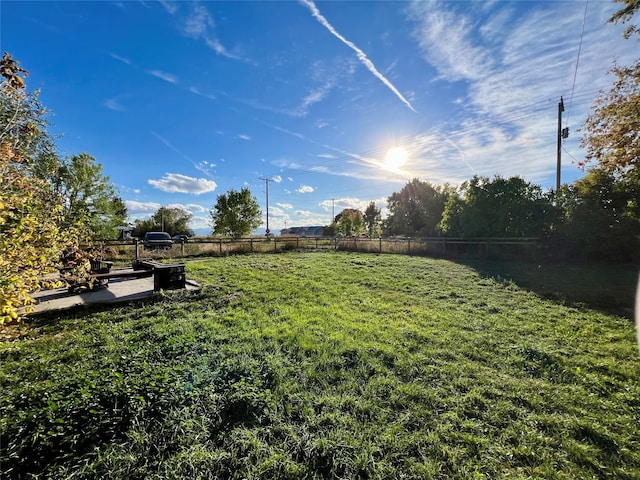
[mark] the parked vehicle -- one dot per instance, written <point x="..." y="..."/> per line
<point x="155" y="240"/>
<point x="181" y="238"/>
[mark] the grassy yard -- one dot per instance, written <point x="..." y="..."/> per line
<point x="334" y="365"/>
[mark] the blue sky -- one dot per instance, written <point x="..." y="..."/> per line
<point x="182" y="101"/>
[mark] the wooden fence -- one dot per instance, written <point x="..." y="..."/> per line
<point x="434" y="246"/>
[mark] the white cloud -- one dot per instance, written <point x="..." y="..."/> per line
<point x="198" y="22"/>
<point x="113" y="104"/>
<point x="126" y="61"/>
<point x="189" y="207"/>
<point x="320" y="169"/>
<point x="285" y="206"/>
<point x="141" y="209"/>
<point x="314" y="96"/>
<point x="288" y="132"/>
<point x="515" y="67"/>
<point x="276" y="178"/>
<point x="244" y="136"/>
<point x="215" y="45"/>
<point x="444" y="37"/>
<point x="175" y="182"/>
<point x="201" y="26"/>
<point x="287" y="164"/>
<point x="339" y="204"/>
<point x="305" y="189"/>
<point x="275" y="212"/>
<point x="167" y="77"/>
<point x="197" y="91"/>
<point x="303" y="213"/>
<point x="200" y="222"/>
<point x="169" y="6"/>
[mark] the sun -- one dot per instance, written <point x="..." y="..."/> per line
<point x="396" y="157"/>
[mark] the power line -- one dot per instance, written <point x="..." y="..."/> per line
<point x="511" y="116"/>
<point x="574" y="158"/>
<point x="575" y="73"/>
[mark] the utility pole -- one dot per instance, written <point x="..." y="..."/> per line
<point x="266" y="181"/>
<point x="333" y="211"/>
<point x="562" y="134"/>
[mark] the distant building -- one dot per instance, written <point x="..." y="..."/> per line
<point x="125" y="232"/>
<point x="314" y="231"/>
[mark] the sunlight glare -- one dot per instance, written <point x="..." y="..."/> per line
<point x="396" y="158"/>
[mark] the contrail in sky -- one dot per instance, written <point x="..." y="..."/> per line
<point x="168" y="144"/>
<point x="462" y="157"/>
<point x="361" y="55"/>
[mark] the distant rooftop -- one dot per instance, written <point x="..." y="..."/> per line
<point x="312" y="231"/>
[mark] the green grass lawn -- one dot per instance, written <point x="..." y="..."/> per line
<point x="332" y="365"/>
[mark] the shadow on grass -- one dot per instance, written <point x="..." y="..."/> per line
<point x="605" y="287"/>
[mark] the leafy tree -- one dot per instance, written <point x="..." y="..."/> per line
<point x="612" y="131"/>
<point x="23" y="136"/>
<point x="329" y="230"/>
<point x="372" y="219"/>
<point x="350" y="222"/>
<point x="115" y="216"/>
<point x="141" y="227"/>
<point x="498" y="208"/>
<point x="88" y="198"/>
<point x="174" y="221"/>
<point x="416" y="210"/>
<point x="31" y="241"/>
<point x="625" y="14"/>
<point x="602" y="215"/>
<point x="12" y="72"/>
<point x="235" y="214"/>
<point x="451" y="223"/>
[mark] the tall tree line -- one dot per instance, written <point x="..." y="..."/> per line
<point x="596" y="217"/>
